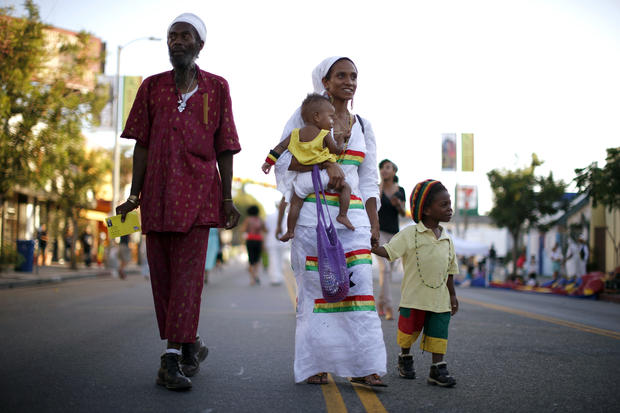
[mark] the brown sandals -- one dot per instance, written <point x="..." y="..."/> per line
<point x="320" y="378"/>
<point x="372" y="380"/>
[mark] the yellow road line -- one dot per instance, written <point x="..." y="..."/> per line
<point x="369" y="399"/>
<point x="333" y="398"/>
<point x="582" y="327"/>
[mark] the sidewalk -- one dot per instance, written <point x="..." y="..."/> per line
<point x="56" y="273"/>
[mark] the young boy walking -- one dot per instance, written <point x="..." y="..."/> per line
<point x="428" y="299"/>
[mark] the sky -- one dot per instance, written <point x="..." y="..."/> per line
<point x="523" y="76"/>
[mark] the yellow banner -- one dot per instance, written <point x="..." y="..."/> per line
<point x="467" y="152"/>
<point x="130" y="89"/>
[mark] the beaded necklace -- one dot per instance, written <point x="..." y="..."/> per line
<point x="346" y="144"/>
<point x="417" y="260"/>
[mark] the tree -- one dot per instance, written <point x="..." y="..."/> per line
<point x="79" y="174"/>
<point x="603" y="186"/>
<point x="522" y="199"/>
<point x="40" y="110"/>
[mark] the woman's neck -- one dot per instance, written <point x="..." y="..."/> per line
<point x="341" y="106"/>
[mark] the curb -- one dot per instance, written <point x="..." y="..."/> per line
<point x="58" y="279"/>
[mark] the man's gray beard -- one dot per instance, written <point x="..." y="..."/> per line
<point x="183" y="62"/>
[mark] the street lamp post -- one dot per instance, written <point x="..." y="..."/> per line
<point x="116" y="174"/>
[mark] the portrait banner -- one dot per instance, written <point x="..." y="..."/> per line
<point x="448" y="151"/>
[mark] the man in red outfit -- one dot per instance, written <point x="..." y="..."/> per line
<point x="185" y="136"/>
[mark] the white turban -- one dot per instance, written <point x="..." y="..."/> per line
<point x="195" y="21"/>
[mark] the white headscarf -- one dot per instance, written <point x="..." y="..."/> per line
<point x="194" y="20"/>
<point x="321" y="70"/>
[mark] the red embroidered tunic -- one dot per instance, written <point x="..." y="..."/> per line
<point x="182" y="186"/>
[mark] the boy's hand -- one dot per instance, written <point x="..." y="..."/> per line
<point x="454" y="304"/>
<point x="266" y="168"/>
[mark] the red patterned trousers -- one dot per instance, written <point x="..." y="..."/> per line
<point x="177" y="264"/>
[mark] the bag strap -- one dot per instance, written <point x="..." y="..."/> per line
<point x="359" y="119"/>
<point x="318" y="186"/>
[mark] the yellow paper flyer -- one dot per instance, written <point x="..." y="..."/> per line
<point x="116" y="228"/>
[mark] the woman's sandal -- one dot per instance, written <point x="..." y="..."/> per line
<point x="320" y="378"/>
<point x="372" y="380"/>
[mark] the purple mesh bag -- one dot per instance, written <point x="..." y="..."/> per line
<point x="331" y="260"/>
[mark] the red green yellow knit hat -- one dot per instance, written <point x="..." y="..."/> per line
<point x="418" y="196"/>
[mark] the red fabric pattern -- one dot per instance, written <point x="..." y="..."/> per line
<point x="176" y="262"/>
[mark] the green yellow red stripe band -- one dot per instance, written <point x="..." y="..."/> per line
<point x="354" y="258"/>
<point x="332" y="199"/>
<point x="351" y="158"/>
<point x="351" y="303"/>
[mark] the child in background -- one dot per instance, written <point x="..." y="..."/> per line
<point x="311" y="145"/>
<point x="428" y="299"/>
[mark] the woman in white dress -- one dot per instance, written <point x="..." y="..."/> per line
<point x="343" y="338"/>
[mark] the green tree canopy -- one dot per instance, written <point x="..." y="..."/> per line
<point x="521" y="199"/>
<point x="603" y="187"/>
<point x="602" y="184"/>
<point x="41" y="113"/>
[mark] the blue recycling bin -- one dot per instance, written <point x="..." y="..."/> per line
<point x="26" y="249"/>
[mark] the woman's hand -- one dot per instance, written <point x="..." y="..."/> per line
<point x="374" y="236"/>
<point x="124" y="208"/>
<point x="336" y="175"/>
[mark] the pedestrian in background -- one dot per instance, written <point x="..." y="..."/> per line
<point x="253" y="229"/>
<point x="182" y="122"/>
<point x="556" y="260"/>
<point x="87" y="245"/>
<point x="42" y="243"/>
<point x="428" y="298"/>
<point x="275" y="247"/>
<point x="392" y="207"/>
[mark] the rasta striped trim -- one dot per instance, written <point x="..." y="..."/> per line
<point x="418" y="196"/>
<point x="353" y="258"/>
<point x="351" y="158"/>
<point x="351" y="303"/>
<point x="272" y="157"/>
<point x="332" y="199"/>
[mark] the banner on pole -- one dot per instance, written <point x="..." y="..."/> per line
<point x="130" y="90"/>
<point x="448" y="151"/>
<point x="467" y="199"/>
<point x="467" y="152"/>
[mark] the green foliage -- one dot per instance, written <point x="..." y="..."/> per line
<point x="9" y="257"/>
<point x="521" y="199"/>
<point x="41" y="113"/>
<point x="602" y="184"/>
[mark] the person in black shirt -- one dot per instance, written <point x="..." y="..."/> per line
<point x="392" y="205"/>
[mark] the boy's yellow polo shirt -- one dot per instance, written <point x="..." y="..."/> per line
<point x="424" y="284"/>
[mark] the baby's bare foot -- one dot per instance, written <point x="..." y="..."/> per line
<point x="344" y="220"/>
<point x="287" y="236"/>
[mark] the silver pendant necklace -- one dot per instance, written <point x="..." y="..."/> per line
<point x="182" y="97"/>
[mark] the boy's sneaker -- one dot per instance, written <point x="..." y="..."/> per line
<point x="439" y="375"/>
<point x="405" y="366"/>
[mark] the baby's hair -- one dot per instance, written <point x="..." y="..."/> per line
<point x="422" y="196"/>
<point x="311" y="104"/>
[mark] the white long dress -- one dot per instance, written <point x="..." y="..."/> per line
<point x="342" y="338"/>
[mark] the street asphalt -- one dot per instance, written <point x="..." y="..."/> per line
<point x="92" y="345"/>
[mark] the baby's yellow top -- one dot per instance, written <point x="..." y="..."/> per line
<point x="312" y="152"/>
